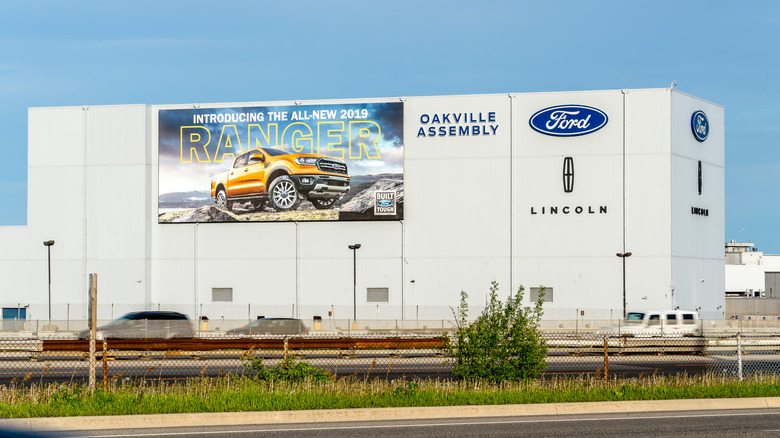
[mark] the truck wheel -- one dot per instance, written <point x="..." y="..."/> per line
<point x="222" y="200"/>
<point x="283" y="194"/>
<point x="324" y="203"/>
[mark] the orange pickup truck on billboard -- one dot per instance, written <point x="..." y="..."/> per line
<point x="281" y="180"/>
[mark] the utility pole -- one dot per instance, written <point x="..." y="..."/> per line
<point x="624" y="256"/>
<point x="48" y="244"/>
<point x="354" y="249"/>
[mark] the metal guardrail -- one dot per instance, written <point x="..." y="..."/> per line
<point x="290" y="343"/>
<point x="572" y="344"/>
<point x="577" y="344"/>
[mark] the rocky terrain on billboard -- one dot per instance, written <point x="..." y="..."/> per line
<point x="361" y="206"/>
<point x="213" y="213"/>
<point x="356" y="205"/>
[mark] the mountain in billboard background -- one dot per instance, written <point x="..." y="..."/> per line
<point x="192" y="199"/>
<point x="361" y="183"/>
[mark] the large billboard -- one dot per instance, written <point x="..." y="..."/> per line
<point x="281" y="163"/>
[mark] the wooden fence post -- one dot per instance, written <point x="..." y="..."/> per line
<point x="606" y="360"/>
<point x="105" y="363"/>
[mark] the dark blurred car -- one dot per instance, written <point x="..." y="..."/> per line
<point x="271" y="326"/>
<point x="144" y="325"/>
<point x="18" y="433"/>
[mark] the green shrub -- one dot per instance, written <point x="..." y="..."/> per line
<point x="290" y="370"/>
<point x="503" y="343"/>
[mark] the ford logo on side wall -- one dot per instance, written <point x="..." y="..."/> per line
<point x="384" y="203"/>
<point x="700" y="125"/>
<point x="568" y="120"/>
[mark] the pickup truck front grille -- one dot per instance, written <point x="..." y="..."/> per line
<point x="332" y="166"/>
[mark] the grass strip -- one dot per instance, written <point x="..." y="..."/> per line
<point x="241" y="394"/>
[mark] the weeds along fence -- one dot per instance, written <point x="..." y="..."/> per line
<point x="28" y="361"/>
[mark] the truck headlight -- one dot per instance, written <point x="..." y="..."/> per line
<point x="306" y="161"/>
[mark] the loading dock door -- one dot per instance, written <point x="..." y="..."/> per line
<point x="772" y="284"/>
<point x="13" y="318"/>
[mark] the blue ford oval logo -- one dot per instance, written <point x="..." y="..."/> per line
<point x="700" y="125"/>
<point x="568" y="120"/>
<point x="384" y="203"/>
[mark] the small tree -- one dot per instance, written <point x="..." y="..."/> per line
<point x="503" y="343"/>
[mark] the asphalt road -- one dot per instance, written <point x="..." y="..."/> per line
<point x="711" y="424"/>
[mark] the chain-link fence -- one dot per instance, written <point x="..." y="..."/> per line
<point x="46" y="360"/>
<point x="43" y="359"/>
<point x="725" y="354"/>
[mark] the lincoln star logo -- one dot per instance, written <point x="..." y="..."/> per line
<point x="568" y="174"/>
<point x="700" y="177"/>
<point x="700" y="125"/>
<point x="568" y="120"/>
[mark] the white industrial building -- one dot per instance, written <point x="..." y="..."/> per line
<point x="504" y="201"/>
<point x="752" y="283"/>
<point x="750" y="272"/>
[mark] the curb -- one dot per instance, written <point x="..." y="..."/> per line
<point x="377" y="414"/>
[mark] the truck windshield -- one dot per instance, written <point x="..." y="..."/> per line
<point x="274" y="151"/>
<point x="635" y="317"/>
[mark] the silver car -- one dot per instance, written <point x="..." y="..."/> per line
<point x="271" y="326"/>
<point x="145" y="325"/>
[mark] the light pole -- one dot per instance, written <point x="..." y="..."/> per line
<point x="354" y="249"/>
<point x="48" y="244"/>
<point x="624" y="256"/>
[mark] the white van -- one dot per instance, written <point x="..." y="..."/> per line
<point x="658" y="323"/>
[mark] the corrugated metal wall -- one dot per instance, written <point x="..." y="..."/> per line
<point x="744" y="307"/>
<point x="772" y="284"/>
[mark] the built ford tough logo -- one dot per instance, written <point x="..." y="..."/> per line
<point x="384" y="202"/>
<point x="700" y="125"/>
<point x="568" y="120"/>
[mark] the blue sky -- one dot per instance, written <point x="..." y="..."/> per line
<point x="57" y="53"/>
